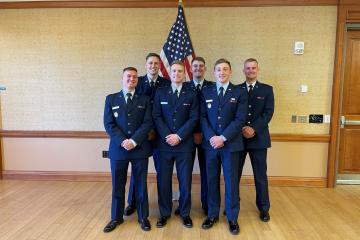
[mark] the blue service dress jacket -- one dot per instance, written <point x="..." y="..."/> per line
<point x="223" y="118"/>
<point x="176" y="115"/>
<point x="260" y="112"/>
<point x="124" y="121"/>
<point x="144" y="86"/>
<point x="206" y="83"/>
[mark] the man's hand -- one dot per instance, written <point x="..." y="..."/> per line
<point x="248" y="132"/>
<point x="172" y="139"/>
<point x="217" y="142"/>
<point x="127" y="144"/>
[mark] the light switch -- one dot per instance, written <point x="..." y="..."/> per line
<point x="302" y="119"/>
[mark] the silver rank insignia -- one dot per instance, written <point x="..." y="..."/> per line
<point x="209" y="105"/>
<point x="116" y="114"/>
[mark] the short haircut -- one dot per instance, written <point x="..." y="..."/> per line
<point x="200" y="59"/>
<point x="152" y="55"/>
<point x="178" y="62"/>
<point x="129" y="69"/>
<point x="251" y="60"/>
<point x="222" y="60"/>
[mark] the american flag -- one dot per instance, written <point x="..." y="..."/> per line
<point x="178" y="46"/>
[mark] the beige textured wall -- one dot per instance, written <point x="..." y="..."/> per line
<point x="292" y="159"/>
<point x="58" y="64"/>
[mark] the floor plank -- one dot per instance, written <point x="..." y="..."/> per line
<point x="56" y="210"/>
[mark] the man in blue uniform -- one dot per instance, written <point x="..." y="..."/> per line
<point x="127" y="120"/>
<point x="175" y="114"/>
<point x="223" y="113"/>
<point x="147" y="85"/>
<point x="256" y="133"/>
<point x="199" y="82"/>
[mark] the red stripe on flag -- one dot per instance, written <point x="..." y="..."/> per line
<point x="188" y="67"/>
<point x="163" y="70"/>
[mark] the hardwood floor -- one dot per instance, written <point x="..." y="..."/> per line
<point x="36" y="210"/>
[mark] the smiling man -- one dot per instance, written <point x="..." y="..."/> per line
<point x="256" y="133"/>
<point x="198" y="69"/>
<point x="148" y="84"/>
<point x="223" y="112"/>
<point x="127" y="121"/>
<point x="175" y="114"/>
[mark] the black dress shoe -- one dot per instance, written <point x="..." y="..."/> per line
<point x="112" y="225"/>
<point x="129" y="210"/>
<point x="177" y="211"/>
<point x="234" y="227"/>
<point x="264" y="216"/>
<point x="187" y="222"/>
<point x="209" y="222"/>
<point x="145" y="224"/>
<point x="162" y="221"/>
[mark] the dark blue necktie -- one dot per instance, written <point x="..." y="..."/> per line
<point x="129" y="100"/>
<point x="221" y="95"/>
<point x="198" y="87"/>
<point x="250" y="90"/>
<point x="152" y="84"/>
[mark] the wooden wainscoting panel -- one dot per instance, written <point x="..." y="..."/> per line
<point x="101" y="177"/>
<point x="277" y="137"/>
<point x="52" y="134"/>
<point x="349" y="152"/>
<point x="161" y="4"/>
<point x="349" y="2"/>
<point x="353" y="14"/>
<point x="281" y="137"/>
<point x="1" y="158"/>
<point x="57" y="176"/>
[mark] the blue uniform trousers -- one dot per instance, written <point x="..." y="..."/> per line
<point x="230" y="165"/>
<point x="203" y="176"/>
<point x="259" y="166"/>
<point x="119" y="169"/>
<point x="184" y="164"/>
<point x="131" y="194"/>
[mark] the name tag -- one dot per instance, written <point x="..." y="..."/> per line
<point x="186" y="104"/>
<point x="116" y="107"/>
<point x="209" y="100"/>
<point x="163" y="103"/>
<point x="262" y="98"/>
<point x="141" y="106"/>
<point x="232" y="100"/>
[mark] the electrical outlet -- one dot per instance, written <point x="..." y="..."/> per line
<point x="302" y="119"/>
<point x="327" y="118"/>
<point x="293" y="118"/>
<point x="105" y="154"/>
